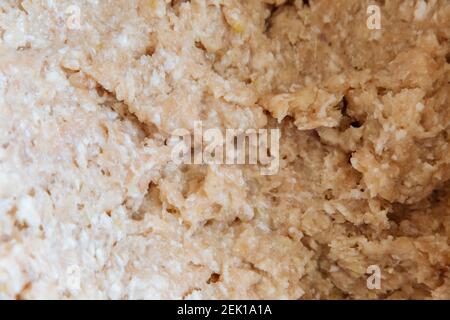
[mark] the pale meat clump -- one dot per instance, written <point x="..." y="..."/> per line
<point x="92" y="204"/>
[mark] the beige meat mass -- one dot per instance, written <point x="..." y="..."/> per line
<point x="88" y="187"/>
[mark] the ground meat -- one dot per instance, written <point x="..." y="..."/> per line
<point x="92" y="204"/>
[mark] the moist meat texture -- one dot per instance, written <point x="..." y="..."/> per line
<point x="92" y="204"/>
